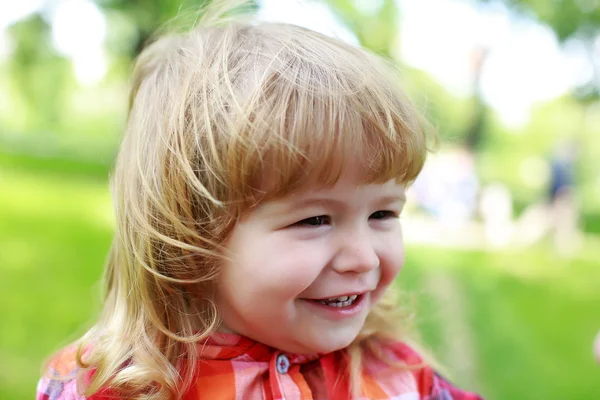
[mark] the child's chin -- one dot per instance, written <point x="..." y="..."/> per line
<point x="330" y="343"/>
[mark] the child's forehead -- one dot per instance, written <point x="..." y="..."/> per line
<point x="352" y="179"/>
<point x="349" y="187"/>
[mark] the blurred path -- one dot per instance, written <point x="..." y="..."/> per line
<point x="472" y="235"/>
<point x="421" y="229"/>
<point x="458" y="350"/>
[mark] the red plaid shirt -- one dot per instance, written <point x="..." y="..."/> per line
<point x="244" y="369"/>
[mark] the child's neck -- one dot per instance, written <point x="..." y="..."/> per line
<point x="224" y="329"/>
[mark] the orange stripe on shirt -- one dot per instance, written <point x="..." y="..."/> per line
<point x="371" y="389"/>
<point x="296" y="375"/>
<point x="216" y="381"/>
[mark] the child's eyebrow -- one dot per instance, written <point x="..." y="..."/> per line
<point x="392" y="199"/>
<point x="328" y="202"/>
<point x="317" y="201"/>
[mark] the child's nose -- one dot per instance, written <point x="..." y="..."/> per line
<point x="356" y="253"/>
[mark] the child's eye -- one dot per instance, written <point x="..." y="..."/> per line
<point x="383" y="214"/>
<point x="315" y="221"/>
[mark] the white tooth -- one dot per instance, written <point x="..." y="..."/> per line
<point x="339" y="304"/>
<point x="342" y="298"/>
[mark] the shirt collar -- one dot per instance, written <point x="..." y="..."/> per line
<point x="228" y="346"/>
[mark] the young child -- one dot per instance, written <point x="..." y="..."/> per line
<point x="257" y="194"/>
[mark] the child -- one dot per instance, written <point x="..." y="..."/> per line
<point x="258" y="190"/>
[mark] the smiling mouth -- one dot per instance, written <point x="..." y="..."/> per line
<point x="339" y="302"/>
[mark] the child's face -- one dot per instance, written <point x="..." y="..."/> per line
<point x="316" y="244"/>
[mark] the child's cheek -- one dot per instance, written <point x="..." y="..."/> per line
<point x="309" y="263"/>
<point x="393" y="261"/>
<point x="296" y="266"/>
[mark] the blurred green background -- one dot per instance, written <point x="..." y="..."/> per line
<point x="510" y="83"/>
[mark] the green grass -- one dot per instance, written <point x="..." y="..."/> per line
<point x="528" y="317"/>
<point x="532" y="319"/>
<point x="54" y="235"/>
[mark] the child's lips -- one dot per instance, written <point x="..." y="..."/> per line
<point x="339" y="296"/>
<point x="337" y="312"/>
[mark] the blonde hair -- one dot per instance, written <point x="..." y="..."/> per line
<point x="222" y="117"/>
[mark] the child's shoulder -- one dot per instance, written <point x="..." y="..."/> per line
<point x="430" y="383"/>
<point x="59" y="381"/>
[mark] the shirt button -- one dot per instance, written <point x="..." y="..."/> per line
<point x="283" y="364"/>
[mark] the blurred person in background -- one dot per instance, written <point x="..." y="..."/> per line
<point x="557" y="215"/>
<point x="563" y="208"/>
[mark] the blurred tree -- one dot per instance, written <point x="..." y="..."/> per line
<point x="39" y="75"/>
<point x="149" y="15"/>
<point x="449" y="113"/>
<point x="570" y="20"/>
<point x="375" y="23"/>
<point x="476" y="128"/>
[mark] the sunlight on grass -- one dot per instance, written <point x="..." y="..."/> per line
<point x="55" y="196"/>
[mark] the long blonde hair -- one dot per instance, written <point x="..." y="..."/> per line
<point x="214" y="113"/>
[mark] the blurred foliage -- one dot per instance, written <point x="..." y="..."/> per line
<point x="40" y="77"/>
<point x="568" y="18"/>
<point x="376" y="28"/>
<point x="571" y="20"/>
<point x="146" y="16"/>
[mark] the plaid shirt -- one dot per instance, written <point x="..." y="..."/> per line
<point x="244" y="369"/>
